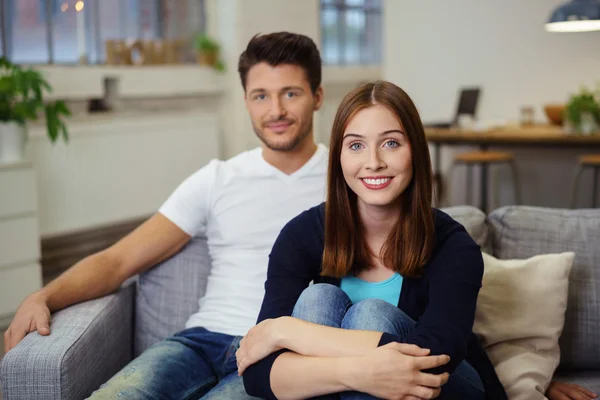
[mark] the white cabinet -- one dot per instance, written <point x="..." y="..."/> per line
<point x="20" y="271"/>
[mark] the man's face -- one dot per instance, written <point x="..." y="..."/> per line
<point x="281" y="105"/>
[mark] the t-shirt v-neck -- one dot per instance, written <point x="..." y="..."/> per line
<point x="312" y="161"/>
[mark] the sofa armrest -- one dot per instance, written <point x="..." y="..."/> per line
<point x="89" y="343"/>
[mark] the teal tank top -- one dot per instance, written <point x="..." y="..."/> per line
<point x="358" y="289"/>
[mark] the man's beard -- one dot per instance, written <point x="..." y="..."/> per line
<point x="285" y="146"/>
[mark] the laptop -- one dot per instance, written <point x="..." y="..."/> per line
<point x="467" y="105"/>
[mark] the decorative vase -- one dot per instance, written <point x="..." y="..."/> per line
<point x="588" y="124"/>
<point x="208" y="58"/>
<point x="12" y="142"/>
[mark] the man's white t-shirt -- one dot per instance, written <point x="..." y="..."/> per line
<point x="241" y="205"/>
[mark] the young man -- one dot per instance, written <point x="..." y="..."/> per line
<point x="240" y="205"/>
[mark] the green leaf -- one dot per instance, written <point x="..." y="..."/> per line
<point x="51" y="124"/>
<point x="65" y="132"/>
<point x="583" y="102"/>
<point x="62" y="108"/>
<point x="22" y="99"/>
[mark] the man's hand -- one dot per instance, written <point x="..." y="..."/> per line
<point x="33" y="314"/>
<point x="259" y="342"/>
<point x="395" y="371"/>
<point x="567" y="391"/>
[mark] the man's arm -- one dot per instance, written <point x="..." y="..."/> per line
<point x="97" y="275"/>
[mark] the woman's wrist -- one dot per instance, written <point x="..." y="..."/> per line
<point x="283" y="332"/>
<point x="348" y="372"/>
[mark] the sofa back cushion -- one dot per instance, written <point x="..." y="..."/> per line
<point x="474" y="221"/>
<point x="519" y="232"/>
<point x="168" y="294"/>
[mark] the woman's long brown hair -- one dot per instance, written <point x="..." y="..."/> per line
<point x="411" y="241"/>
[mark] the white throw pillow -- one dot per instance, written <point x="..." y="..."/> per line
<point x="519" y="318"/>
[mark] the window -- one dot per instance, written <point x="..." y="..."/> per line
<point x="56" y="31"/>
<point x="351" y="31"/>
<point x="25" y="30"/>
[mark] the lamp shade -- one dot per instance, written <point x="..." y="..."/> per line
<point x="576" y="16"/>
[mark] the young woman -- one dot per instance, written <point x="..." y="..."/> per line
<point x="396" y="282"/>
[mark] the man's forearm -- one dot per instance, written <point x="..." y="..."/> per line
<point x="92" y="277"/>
<point x="311" y="339"/>
<point x="295" y="376"/>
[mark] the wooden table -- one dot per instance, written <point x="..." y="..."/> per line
<point x="514" y="136"/>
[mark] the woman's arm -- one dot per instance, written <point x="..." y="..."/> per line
<point x="304" y="338"/>
<point x="298" y="377"/>
<point x="390" y="372"/>
<point x="311" y="339"/>
<point x="456" y="273"/>
<point x="294" y="375"/>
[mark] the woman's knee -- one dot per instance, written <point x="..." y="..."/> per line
<point x="322" y="304"/>
<point x="377" y="315"/>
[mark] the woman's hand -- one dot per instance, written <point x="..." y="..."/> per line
<point x="260" y="341"/>
<point x="567" y="391"/>
<point x="394" y="371"/>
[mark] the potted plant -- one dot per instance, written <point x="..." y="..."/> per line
<point x="208" y="51"/>
<point x="583" y="112"/>
<point x="22" y="93"/>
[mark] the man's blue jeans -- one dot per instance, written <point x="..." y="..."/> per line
<point x="328" y="305"/>
<point x="192" y="364"/>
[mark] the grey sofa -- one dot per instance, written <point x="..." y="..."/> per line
<point x="92" y="341"/>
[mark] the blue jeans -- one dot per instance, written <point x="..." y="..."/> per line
<point x="192" y="364"/>
<point x="328" y="305"/>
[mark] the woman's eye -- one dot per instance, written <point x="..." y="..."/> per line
<point x="355" y="146"/>
<point x="392" y="143"/>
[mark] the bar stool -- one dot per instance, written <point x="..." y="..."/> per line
<point x="586" y="161"/>
<point x="484" y="159"/>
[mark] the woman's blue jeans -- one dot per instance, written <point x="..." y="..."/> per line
<point x="328" y="305"/>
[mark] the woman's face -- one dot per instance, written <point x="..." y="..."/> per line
<point x="376" y="157"/>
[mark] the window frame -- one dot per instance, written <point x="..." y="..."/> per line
<point x="93" y="27"/>
<point x="341" y="7"/>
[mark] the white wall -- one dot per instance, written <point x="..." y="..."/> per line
<point x="433" y="48"/>
<point x="115" y="169"/>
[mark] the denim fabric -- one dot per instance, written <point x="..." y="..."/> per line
<point x="328" y="305"/>
<point x="192" y="364"/>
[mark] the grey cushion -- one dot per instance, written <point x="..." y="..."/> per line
<point x="588" y="379"/>
<point x="168" y="294"/>
<point x="474" y="221"/>
<point x="523" y="232"/>
<point x="89" y="342"/>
